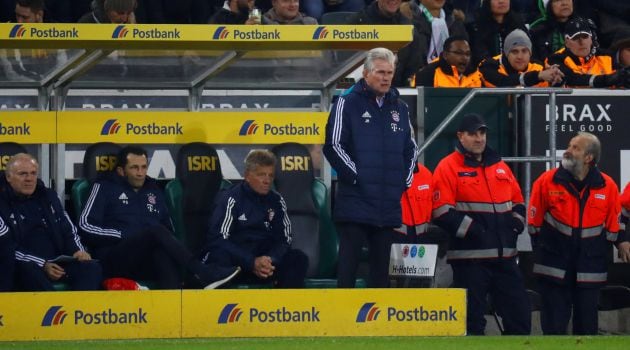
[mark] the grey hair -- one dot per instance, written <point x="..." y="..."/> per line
<point x="594" y="147"/>
<point x="379" y="53"/>
<point x="16" y="158"/>
<point x="259" y="157"/>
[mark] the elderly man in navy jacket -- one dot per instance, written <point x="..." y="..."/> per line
<point x="369" y="142"/>
<point x="250" y="228"/>
<point x="126" y="222"/>
<point x="47" y="247"/>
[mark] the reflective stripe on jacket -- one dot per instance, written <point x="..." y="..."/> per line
<point x="571" y="230"/>
<point x="479" y="204"/>
<point x="416" y="203"/>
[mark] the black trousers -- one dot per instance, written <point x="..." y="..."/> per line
<point x="153" y="254"/>
<point x="560" y="301"/>
<point x="290" y="272"/>
<point x="80" y="275"/>
<point x="7" y="265"/>
<point x="502" y="280"/>
<point x="352" y="237"/>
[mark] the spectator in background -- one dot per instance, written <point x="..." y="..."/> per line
<point x="493" y="23"/>
<point x="478" y="201"/>
<point x="235" y="12"/>
<point x="573" y="220"/>
<point x="514" y="67"/>
<point x="387" y="12"/>
<point x="250" y="228"/>
<point x="177" y="12"/>
<point x="286" y="12"/>
<point x="433" y="26"/>
<point x="370" y="143"/>
<point x="621" y="49"/>
<point x="126" y="223"/>
<point x="470" y="8"/>
<point x="316" y="8"/>
<point x="29" y="11"/>
<point x="548" y="31"/>
<point x="42" y="232"/>
<point x="452" y="69"/>
<point x="582" y="62"/>
<point x="111" y="11"/>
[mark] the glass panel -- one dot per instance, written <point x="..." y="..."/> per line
<point x="32" y="65"/>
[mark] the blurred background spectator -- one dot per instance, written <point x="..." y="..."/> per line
<point x="316" y="8"/>
<point x="548" y="31"/>
<point x="286" y="12"/>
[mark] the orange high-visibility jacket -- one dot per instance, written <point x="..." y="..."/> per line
<point x="416" y="202"/>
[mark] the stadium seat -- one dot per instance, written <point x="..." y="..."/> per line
<point x="307" y="205"/>
<point x="99" y="159"/>
<point x="339" y="17"/>
<point x="190" y="196"/>
<point x="7" y="149"/>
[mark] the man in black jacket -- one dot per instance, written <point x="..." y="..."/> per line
<point x="47" y="248"/>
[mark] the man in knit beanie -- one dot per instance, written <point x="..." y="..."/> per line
<point x="514" y="66"/>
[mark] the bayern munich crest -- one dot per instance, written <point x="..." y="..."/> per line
<point x="395" y="116"/>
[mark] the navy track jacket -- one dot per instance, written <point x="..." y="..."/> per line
<point x="115" y="211"/>
<point x="38" y="224"/>
<point x="247" y="225"/>
<point x="373" y="151"/>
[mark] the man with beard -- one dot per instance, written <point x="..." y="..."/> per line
<point x="573" y="216"/>
<point x="452" y="68"/>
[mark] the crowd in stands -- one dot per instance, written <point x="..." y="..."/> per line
<point x="585" y="43"/>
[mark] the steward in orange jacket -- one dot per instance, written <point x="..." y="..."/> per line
<point x="573" y="217"/>
<point x="477" y="200"/>
<point x="416" y="205"/>
<point x="625" y="207"/>
<point x="514" y="66"/>
<point x="581" y="61"/>
<point x="452" y="68"/>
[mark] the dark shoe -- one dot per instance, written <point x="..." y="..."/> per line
<point x="217" y="276"/>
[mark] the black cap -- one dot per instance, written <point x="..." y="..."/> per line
<point x="576" y="27"/>
<point x="471" y="123"/>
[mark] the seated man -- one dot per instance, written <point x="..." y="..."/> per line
<point x="513" y="68"/>
<point x="235" y="12"/>
<point x="42" y="231"/>
<point x="7" y="256"/>
<point x="126" y="223"/>
<point x="581" y="60"/>
<point x="286" y="12"/>
<point x="250" y="228"/>
<point x="452" y="69"/>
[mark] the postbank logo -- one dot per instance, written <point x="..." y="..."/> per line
<point x="233" y="313"/>
<point x="114" y="126"/>
<point x="17" y="31"/>
<point x="54" y="316"/>
<point x="111" y="127"/>
<point x="368" y="312"/>
<point x="250" y="127"/>
<point x="238" y="33"/>
<point x="221" y="33"/>
<point x="20" y="31"/>
<point x="120" y="32"/>
<point x="320" y="33"/>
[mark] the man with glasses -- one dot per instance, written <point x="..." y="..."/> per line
<point x="452" y="68"/>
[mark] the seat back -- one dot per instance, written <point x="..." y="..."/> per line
<point x="99" y="159"/>
<point x="198" y="172"/>
<point x="7" y="149"/>
<point x="339" y="17"/>
<point x="294" y="180"/>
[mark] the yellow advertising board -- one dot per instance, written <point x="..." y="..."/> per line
<point x="28" y="127"/>
<point x="202" y="37"/>
<point x="183" y="127"/>
<point x="324" y="312"/>
<point x="90" y="315"/>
